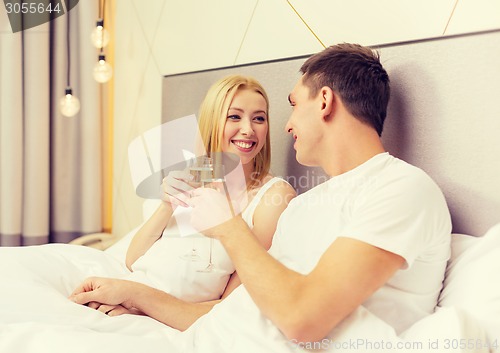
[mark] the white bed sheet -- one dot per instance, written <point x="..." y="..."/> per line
<point x="36" y="316"/>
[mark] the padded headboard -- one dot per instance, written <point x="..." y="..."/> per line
<point x="444" y="117"/>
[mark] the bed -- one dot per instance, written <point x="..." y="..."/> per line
<point x="444" y="105"/>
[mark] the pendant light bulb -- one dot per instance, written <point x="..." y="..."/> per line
<point x="69" y="104"/>
<point x="99" y="35"/>
<point x="102" y="70"/>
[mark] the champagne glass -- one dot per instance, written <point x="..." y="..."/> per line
<point x="217" y="182"/>
<point x="201" y="169"/>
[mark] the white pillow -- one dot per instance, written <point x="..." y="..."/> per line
<point x="449" y="329"/>
<point x="472" y="281"/>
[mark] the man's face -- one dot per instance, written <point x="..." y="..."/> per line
<point x="304" y="124"/>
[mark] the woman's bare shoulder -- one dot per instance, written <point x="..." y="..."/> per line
<point x="280" y="187"/>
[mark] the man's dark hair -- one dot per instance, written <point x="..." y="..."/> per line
<point x="355" y="73"/>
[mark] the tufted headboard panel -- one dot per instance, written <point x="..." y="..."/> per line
<point x="444" y="117"/>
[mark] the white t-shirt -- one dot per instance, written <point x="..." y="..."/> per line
<point x="387" y="203"/>
<point x="164" y="267"/>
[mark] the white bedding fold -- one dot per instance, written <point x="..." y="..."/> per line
<point x="37" y="317"/>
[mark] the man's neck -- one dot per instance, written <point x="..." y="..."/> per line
<point x="355" y="147"/>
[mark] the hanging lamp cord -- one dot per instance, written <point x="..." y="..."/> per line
<point x="68" y="49"/>
<point x="102" y="9"/>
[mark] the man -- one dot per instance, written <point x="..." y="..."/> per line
<point x="376" y="234"/>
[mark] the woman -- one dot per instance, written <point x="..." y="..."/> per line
<point x="233" y="120"/>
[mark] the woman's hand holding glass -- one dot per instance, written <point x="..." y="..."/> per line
<point x="175" y="188"/>
<point x="178" y="183"/>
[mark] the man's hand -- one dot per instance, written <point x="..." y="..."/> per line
<point x="211" y="209"/>
<point x="114" y="310"/>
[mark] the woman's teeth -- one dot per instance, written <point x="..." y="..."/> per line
<point x="242" y="144"/>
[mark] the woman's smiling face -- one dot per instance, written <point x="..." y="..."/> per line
<point x="246" y="125"/>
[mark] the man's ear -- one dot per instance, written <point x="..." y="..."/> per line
<point x="328" y="99"/>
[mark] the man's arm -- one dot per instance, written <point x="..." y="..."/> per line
<point x="308" y="307"/>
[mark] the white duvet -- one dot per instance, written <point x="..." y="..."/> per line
<point x="37" y="317"/>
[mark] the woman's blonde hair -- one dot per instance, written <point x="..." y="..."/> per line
<point x="213" y="117"/>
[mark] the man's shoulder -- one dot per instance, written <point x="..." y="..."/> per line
<point x="398" y="169"/>
<point x="407" y="181"/>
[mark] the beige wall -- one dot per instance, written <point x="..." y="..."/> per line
<point x="167" y="37"/>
